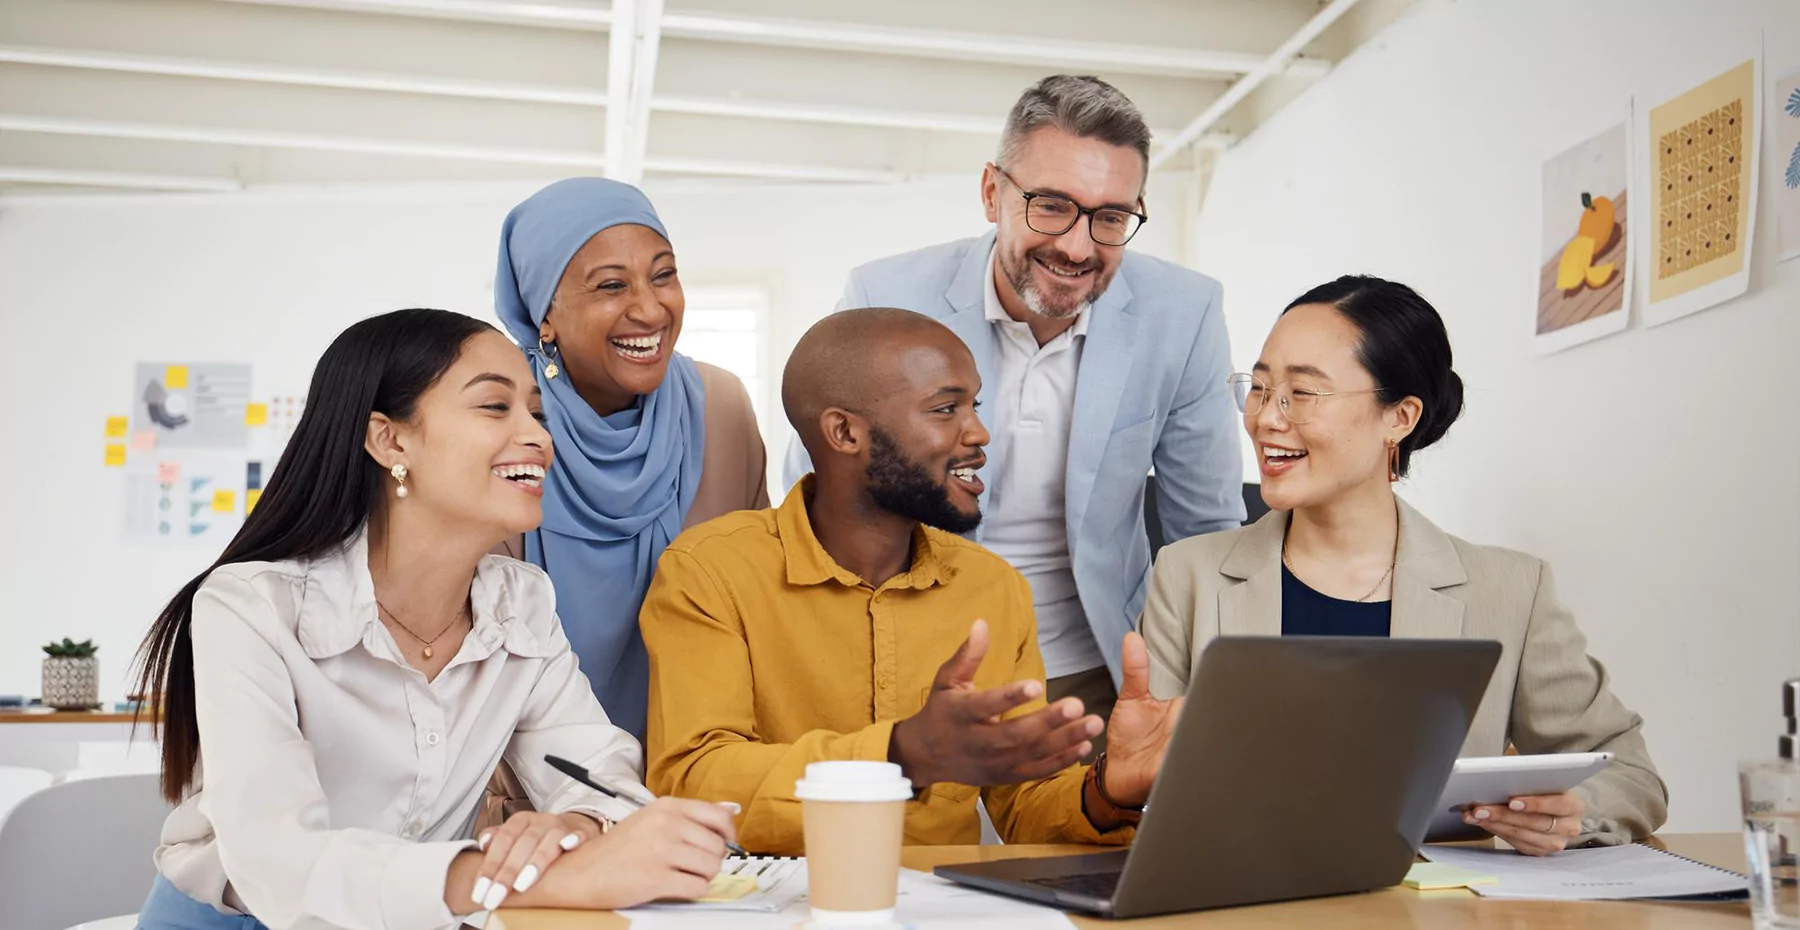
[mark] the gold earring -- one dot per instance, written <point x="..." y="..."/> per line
<point x="549" y="354"/>
<point x="1393" y="460"/>
<point x="399" y="473"/>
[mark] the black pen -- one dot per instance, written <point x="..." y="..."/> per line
<point x="582" y="775"/>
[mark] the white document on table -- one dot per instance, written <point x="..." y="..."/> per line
<point x="925" y="902"/>
<point x="1593" y="874"/>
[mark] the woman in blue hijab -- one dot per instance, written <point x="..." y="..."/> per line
<point x="648" y="441"/>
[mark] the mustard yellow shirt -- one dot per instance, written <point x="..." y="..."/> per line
<point x="766" y="655"/>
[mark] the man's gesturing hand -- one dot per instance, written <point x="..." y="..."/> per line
<point x="959" y="735"/>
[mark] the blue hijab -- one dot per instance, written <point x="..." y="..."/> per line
<point x="621" y="485"/>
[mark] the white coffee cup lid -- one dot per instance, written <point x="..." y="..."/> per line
<point x="853" y="781"/>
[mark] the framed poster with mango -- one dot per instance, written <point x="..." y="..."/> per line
<point x="1584" y="253"/>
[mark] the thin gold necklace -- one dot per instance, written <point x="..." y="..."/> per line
<point x="427" y="652"/>
<point x="1361" y="600"/>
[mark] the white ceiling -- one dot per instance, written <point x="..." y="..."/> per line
<point x="226" y="95"/>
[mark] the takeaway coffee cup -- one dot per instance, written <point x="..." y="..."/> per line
<point x="853" y="813"/>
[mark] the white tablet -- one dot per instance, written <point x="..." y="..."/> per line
<point x="1499" y="779"/>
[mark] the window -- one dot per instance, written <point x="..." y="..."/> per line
<point x="729" y="327"/>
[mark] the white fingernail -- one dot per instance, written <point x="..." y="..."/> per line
<point x="495" y="896"/>
<point x="527" y="877"/>
<point x="481" y="889"/>
<point x="731" y="806"/>
<point x="569" y="842"/>
<point x="482" y="844"/>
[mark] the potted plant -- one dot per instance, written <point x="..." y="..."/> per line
<point x="71" y="675"/>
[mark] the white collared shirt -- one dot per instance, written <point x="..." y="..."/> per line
<point x="337" y="783"/>
<point x="1034" y="403"/>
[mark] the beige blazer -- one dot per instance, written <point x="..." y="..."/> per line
<point x="1547" y="694"/>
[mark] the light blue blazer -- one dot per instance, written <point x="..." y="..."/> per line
<point x="1151" y="391"/>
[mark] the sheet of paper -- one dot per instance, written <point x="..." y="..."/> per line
<point x="1596" y="874"/>
<point x="924" y="901"/>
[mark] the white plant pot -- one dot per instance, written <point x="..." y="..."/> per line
<point x="71" y="683"/>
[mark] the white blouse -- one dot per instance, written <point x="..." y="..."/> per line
<point x="336" y="783"/>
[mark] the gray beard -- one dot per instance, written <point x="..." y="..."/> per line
<point x="1026" y="288"/>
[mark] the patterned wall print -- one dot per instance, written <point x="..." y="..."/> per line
<point x="1702" y="179"/>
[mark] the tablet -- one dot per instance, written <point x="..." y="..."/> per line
<point x="1499" y="779"/>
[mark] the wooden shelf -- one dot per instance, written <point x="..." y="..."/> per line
<point x="47" y="715"/>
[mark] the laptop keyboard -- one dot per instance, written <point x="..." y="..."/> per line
<point x="1093" y="884"/>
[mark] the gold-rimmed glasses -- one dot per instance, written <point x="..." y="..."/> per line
<point x="1298" y="402"/>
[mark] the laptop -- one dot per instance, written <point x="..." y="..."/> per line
<point x="1300" y="767"/>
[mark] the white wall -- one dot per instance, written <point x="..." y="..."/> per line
<point x="1654" y="469"/>
<point x="90" y="286"/>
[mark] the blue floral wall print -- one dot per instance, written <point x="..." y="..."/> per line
<point x="1793" y="166"/>
<point x="1784" y="118"/>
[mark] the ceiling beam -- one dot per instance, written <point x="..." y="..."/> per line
<point x="631" y="76"/>
<point x="19" y="174"/>
<point x="300" y="77"/>
<point x="793" y="111"/>
<point x="1276" y="63"/>
<point x="646" y="45"/>
<point x="1061" y="54"/>
<point x="590" y="161"/>
<point x="621" y="43"/>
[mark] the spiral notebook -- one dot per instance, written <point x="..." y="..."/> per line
<point x="1594" y="874"/>
<point x="778" y="882"/>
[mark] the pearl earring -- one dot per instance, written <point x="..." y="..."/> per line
<point x="399" y="473"/>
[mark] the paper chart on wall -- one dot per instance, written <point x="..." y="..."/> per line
<point x="192" y="405"/>
<point x="1702" y="152"/>
<point x="192" y="499"/>
<point x="1584" y="244"/>
<point x="1784" y="116"/>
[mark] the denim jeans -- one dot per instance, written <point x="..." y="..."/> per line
<point x="167" y="908"/>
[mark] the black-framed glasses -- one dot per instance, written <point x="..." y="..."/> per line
<point x="1054" y="214"/>
<point x="1298" y="403"/>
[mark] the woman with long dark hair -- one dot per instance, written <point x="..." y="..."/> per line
<point x="336" y="689"/>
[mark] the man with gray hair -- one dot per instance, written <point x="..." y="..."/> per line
<point x="1096" y="364"/>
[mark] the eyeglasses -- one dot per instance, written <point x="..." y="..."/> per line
<point x="1297" y="402"/>
<point x="1053" y="215"/>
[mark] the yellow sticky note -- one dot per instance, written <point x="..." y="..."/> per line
<point x="175" y="377"/>
<point x="256" y="415"/>
<point x="728" y="888"/>
<point x="116" y="427"/>
<point x="250" y="498"/>
<point x="1428" y="876"/>
<point x="224" y="501"/>
<point x="115" y="454"/>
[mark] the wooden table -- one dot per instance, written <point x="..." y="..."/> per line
<point x="1390" y="907"/>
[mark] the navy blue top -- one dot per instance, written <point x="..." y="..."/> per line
<point x="1305" y="612"/>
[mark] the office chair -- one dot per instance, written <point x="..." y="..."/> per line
<point x="80" y="851"/>
<point x="1254" y="508"/>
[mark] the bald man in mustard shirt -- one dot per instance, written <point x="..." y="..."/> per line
<point x="854" y="623"/>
